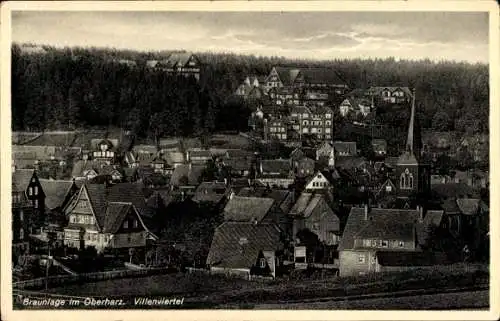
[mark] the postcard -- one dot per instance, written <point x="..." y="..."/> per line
<point x="247" y="160"/>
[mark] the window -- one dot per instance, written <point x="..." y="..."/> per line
<point x="262" y="263"/>
<point x="328" y="115"/>
<point x="388" y="188"/>
<point x="385" y="243"/>
<point x="35" y="190"/>
<point x="125" y="224"/>
<point x="21" y="234"/>
<point x="305" y="115"/>
<point x="129" y="239"/>
<point x="21" y="215"/>
<point x="401" y="244"/>
<point x="136" y="224"/>
<point x="361" y="258"/>
<point x="30" y="191"/>
<point x="35" y="204"/>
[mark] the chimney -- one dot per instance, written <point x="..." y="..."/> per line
<point x="366" y="212"/>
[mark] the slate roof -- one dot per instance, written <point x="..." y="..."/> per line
<point x="55" y="192"/>
<point x="246" y="209"/>
<point x="389" y="224"/>
<point x="134" y="193"/>
<point x="237" y="244"/>
<point x="192" y="172"/>
<point x="21" y="179"/>
<point x="410" y="258"/>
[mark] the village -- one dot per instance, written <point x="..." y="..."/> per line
<point x="284" y="196"/>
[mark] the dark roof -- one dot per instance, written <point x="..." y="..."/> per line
<point x="450" y="206"/>
<point x="379" y="144"/>
<point x="247" y="209"/>
<point x="396" y="224"/>
<point x="53" y="139"/>
<point x="306" y="204"/>
<point x="134" y="193"/>
<point x="349" y="162"/>
<point x="238" y="153"/>
<point x="210" y="192"/>
<point x="454" y="190"/>
<point x="192" y="172"/>
<point x="321" y="76"/>
<point x="97" y="197"/>
<point x="287" y="74"/>
<point x="239" y="164"/>
<point x="345" y="147"/>
<point x="410" y="258"/>
<point x="276" y="166"/>
<point x="115" y="213"/>
<point x="237" y="245"/>
<point x="21" y="179"/>
<point x="55" y="192"/>
<point x="278" y="195"/>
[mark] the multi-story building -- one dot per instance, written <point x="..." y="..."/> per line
<point x="181" y="64"/>
<point x="395" y="95"/>
<point x="277" y="129"/>
<point x="317" y="121"/>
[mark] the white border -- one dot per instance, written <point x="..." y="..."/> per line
<point x="5" y="155"/>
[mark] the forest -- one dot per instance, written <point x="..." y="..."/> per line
<point x="68" y="88"/>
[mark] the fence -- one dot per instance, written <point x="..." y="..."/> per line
<point x="57" y="280"/>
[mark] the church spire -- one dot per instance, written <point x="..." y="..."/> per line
<point x="411" y="127"/>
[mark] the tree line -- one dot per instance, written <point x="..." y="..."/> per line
<point x="85" y="87"/>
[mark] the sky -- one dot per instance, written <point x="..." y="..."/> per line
<point x="461" y="36"/>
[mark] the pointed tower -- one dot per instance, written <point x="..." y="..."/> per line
<point x="412" y="176"/>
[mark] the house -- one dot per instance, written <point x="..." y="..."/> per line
<point x="316" y="121"/>
<point x="246" y="249"/>
<point x="385" y="193"/>
<point x="211" y="192"/>
<point x="198" y="156"/>
<point x="179" y="64"/>
<point x="288" y="96"/>
<point x="345" y="148"/>
<point x="276" y="129"/>
<point x="312" y="212"/>
<point x="187" y="175"/>
<point x="22" y="211"/>
<point x="238" y="167"/>
<point x="104" y="149"/>
<point x="26" y="185"/>
<point x="394" y="95"/>
<point x="256" y="210"/>
<point x="275" y="172"/>
<point x="370" y="230"/>
<point x="323" y="79"/>
<point x="166" y="145"/>
<point x="57" y="192"/>
<point x="283" y="76"/>
<point x="304" y="167"/>
<point x="283" y="198"/>
<point x="315" y="98"/>
<point x="356" y="106"/>
<point x="98" y="221"/>
<point x="379" y="147"/>
<point x="322" y="181"/>
<point x="325" y="150"/>
<point x="174" y="158"/>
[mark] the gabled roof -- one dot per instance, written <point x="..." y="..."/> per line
<point x="55" y="192"/>
<point x="97" y="197"/>
<point x="279" y="196"/>
<point x="345" y="147"/>
<point x="238" y="164"/>
<point x="179" y="58"/>
<point x="287" y="75"/>
<point x="349" y="162"/>
<point x="247" y="209"/>
<point x="377" y="90"/>
<point x="21" y="179"/>
<point x="114" y="216"/>
<point x="306" y="204"/>
<point x="152" y="149"/>
<point x="210" y="192"/>
<point x="407" y="159"/>
<point x="386" y="223"/>
<point x="237" y="244"/>
<point x="300" y="110"/>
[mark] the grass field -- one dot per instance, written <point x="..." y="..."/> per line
<point x="447" y="301"/>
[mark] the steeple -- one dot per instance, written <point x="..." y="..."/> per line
<point x="411" y="127"/>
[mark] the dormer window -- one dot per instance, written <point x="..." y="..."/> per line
<point x="262" y="263"/>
